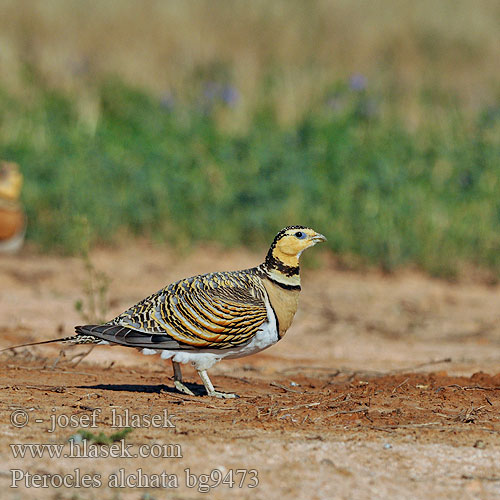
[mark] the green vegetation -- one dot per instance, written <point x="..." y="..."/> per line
<point x="392" y="196"/>
<point x="101" y="438"/>
<point x="224" y="122"/>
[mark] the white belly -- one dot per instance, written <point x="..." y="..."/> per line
<point x="203" y="359"/>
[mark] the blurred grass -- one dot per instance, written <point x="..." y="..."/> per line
<point x="429" y="197"/>
<point x="301" y="46"/>
<point x="378" y="123"/>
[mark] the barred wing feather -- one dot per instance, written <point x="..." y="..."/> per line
<point x="212" y="311"/>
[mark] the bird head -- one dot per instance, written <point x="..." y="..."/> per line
<point x="282" y="260"/>
<point x="293" y="240"/>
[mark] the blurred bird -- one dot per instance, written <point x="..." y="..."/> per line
<point x="206" y="318"/>
<point x="12" y="218"/>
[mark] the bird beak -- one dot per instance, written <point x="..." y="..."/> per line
<point x="318" y="237"/>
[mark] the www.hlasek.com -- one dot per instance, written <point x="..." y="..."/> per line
<point x="232" y="478"/>
<point x="86" y="449"/>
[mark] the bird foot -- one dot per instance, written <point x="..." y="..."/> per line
<point x="182" y="388"/>
<point x="222" y="395"/>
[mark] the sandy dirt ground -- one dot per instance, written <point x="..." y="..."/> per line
<point x="384" y="387"/>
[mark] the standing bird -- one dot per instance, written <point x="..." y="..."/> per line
<point x="12" y="218"/>
<point x="206" y="318"/>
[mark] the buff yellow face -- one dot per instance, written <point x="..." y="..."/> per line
<point x="293" y="242"/>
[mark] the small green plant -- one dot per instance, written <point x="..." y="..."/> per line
<point x="95" y="304"/>
<point x="101" y="438"/>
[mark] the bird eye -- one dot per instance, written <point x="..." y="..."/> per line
<point x="300" y="235"/>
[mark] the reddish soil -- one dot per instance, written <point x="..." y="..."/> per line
<point x="384" y="387"/>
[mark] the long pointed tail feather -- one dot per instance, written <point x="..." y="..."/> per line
<point x="63" y="339"/>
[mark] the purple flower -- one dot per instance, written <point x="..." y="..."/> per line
<point x="167" y="101"/>
<point x="230" y="95"/>
<point x="216" y="92"/>
<point x="357" y="82"/>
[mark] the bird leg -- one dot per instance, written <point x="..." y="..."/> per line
<point x="210" y="388"/>
<point x="178" y="380"/>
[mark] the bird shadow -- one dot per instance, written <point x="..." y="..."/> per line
<point x="198" y="389"/>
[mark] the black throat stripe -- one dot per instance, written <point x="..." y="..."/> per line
<point x="273" y="263"/>
<point x="283" y="285"/>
